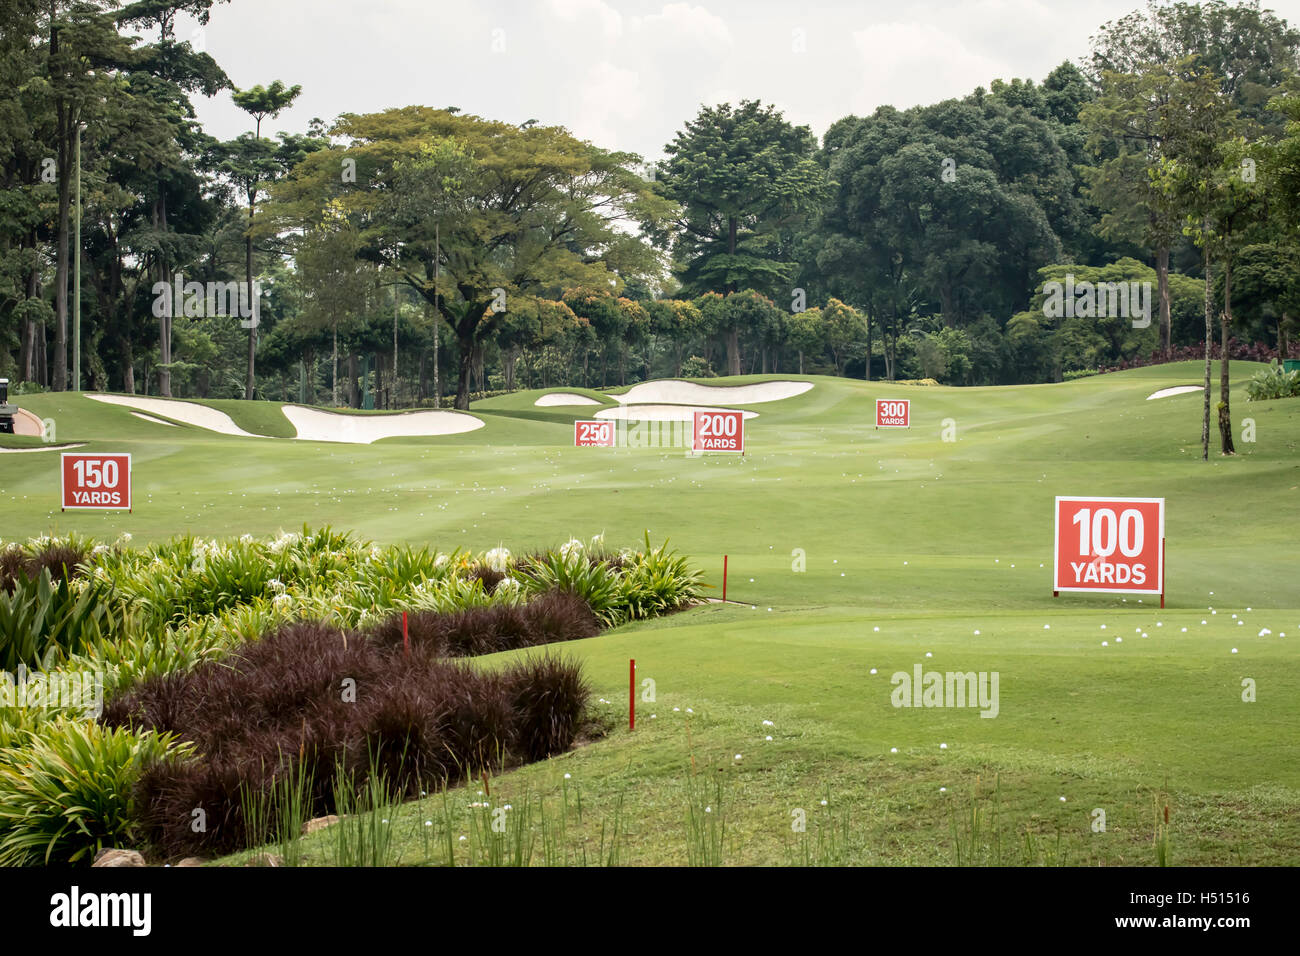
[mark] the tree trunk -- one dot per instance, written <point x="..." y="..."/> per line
<point x="800" y="362"/>
<point x="1162" y="285"/>
<point x="252" y="330"/>
<point x="128" y="361"/>
<point x="949" y="307"/>
<point x="1225" y="322"/>
<point x="27" y="356"/>
<point x="733" y="351"/>
<point x="336" y="363"/>
<point x="1209" y="337"/>
<point x="508" y="360"/>
<point x="867" y="374"/>
<point x="165" y="321"/>
<point x="466" y="343"/>
<point x="59" y="377"/>
<point x="354" y="373"/>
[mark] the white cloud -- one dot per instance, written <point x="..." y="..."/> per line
<point x="611" y="99"/>
<point x="610" y="20"/>
<point x="682" y="22"/>
<point x="938" y="65"/>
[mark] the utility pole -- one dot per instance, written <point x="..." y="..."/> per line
<point x="76" y="280"/>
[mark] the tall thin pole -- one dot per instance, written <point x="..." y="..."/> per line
<point x="392" y="389"/>
<point x="76" y="281"/>
<point x="437" y="311"/>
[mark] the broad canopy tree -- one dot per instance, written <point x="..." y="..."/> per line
<point x="474" y="214"/>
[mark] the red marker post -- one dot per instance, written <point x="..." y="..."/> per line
<point x="631" y="694"/>
<point x="406" y="636"/>
<point x="724" y="579"/>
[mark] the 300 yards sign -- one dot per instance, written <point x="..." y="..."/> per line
<point x="1110" y="544"/>
<point x="96" y="481"/>
<point x="893" y="413"/>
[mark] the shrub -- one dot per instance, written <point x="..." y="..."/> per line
<point x="280" y="709"/>
<point x="568" y="571"/>
<point x="549" y="618"/>
<point x="42" y="621"/>
<point x="547" y="698"/>
<point x="64" y="558"/>
<point x="697" y="367"/>
<point x="1273" y="382"/>
<point x="657" y="581"/>
<point x="70" y="791"/>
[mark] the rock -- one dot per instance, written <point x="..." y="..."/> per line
<point x="109" y="856"/>
<point x="320" y="823"/>
<point x="192" y="861"/>
<point x="264" y="859"/>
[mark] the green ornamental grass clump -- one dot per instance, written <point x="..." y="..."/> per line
<point x="68" y="789"/>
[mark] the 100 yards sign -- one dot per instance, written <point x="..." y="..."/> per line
<point x="1110" y="545"/>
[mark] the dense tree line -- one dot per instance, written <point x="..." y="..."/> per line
<point x="420" y="255"/>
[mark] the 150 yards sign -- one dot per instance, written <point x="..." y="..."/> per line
<point x="1110" y="545"/>
<point x="96" y="481"/>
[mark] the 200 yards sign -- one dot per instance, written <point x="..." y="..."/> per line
<point x="96" y="481"/>
<point x="719" y="431"/>
<point x="1110" y="545"/>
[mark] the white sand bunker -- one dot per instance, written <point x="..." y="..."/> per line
<point x="662" y="413"/>
<point x="1176" y="390"/>
<point x="12" y="451"/>
<point x="157" y="421"/>
<point x="188" y="412"/>
<point x="688" y="393"/>
<point x="314" y="424"/>
<point x="552" y="399"/>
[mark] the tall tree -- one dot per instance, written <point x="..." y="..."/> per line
<point x="740" y="174"/>
<point x="1197" y="124"/>
<point x="259" y="102"/>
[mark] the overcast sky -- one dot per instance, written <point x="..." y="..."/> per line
<point x="626" y="74"/>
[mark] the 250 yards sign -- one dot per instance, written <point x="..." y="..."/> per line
<point x="1110" y="545"/>
<point x="96" y="481"/>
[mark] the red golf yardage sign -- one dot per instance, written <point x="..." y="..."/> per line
<point x="893" y="413"/>
<point x="1110" y="544"/>
<point x="96" y="481"/>
<point x="594" y="433"/>
<point x="719" y="431"/>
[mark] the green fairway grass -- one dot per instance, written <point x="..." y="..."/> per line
<point x="927" y="540"/>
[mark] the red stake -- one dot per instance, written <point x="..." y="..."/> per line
<point x="631" y="694"/>
<point x="724" y="579"/>
<point x="406" y="636"/>
<point x="1162" y="574"/>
